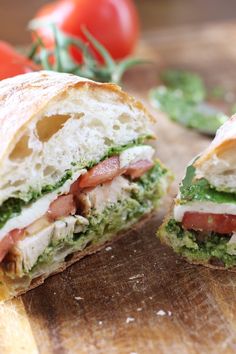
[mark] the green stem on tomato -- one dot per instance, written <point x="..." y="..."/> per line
<point x="109" y="62"/>
<point x="110" y="71"/>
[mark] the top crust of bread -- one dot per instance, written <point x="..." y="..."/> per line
<point x="225" y="139"/>
<point x="24" y="96"/>
<point x="218" y="162"/>
<point x="25" y="100"/>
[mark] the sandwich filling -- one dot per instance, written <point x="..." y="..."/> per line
<point x="203" y="226"/>
<point x="85" y="208"/>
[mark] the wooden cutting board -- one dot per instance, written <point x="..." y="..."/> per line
<point x="137" y="296"/>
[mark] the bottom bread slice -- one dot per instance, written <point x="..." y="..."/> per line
<point x="14" y="287"/>
<point x="76" y="256"/>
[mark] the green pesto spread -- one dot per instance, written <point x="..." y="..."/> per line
<point x="186" y="243"/>
<point x="183" y="100"/>
<point x="13" y="206"/>
<point x="115" y="217"/>
<point x="193" y="189"/>
<point x="190" y="84"/>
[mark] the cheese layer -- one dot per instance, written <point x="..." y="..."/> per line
<point x="37" y="209"/>
<point x="203" y="207"/>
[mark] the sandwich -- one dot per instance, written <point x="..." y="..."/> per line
<point x="202" y="223"/>
<point x="77" y="169"/>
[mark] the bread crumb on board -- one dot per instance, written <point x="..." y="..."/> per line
<point x="130" y="319"/>
<point x="163" y="313"/>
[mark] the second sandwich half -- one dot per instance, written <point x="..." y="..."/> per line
<point x="76" y="168"/>
<point x="202" y="223"/>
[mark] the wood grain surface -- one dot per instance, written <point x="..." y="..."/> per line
<point x="137" y="296"/>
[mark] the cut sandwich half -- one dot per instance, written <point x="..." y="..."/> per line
<point x="76" y="168"/>
<point x="202" y="224"/>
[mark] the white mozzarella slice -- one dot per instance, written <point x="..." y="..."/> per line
<point x="29" y="214"/>
<point x="37" y="209"/>
<point x="136" y="153"/>
<point x="203" y="207"/>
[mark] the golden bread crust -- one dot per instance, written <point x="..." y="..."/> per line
<point x="224" y="141"/>
<point x="24" y="96"/>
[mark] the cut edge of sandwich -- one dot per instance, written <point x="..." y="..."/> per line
<point x="183" y="243"/>
<point x="56" y="205"/>
<point x="201" y="225"/>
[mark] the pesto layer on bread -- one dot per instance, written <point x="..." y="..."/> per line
<point x="200" y="246"/>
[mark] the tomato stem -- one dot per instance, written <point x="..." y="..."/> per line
<point x="59" y="58"/>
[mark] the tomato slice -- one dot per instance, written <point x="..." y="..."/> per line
<point x="108" y="169"/>
<point x="103" y="172"/>
<point x="74" y="188"/>
<point x="61" y="207"/>
<point x="138" y="168"/>
<point x="220" y="223"/>
<point x="9" y="240"/>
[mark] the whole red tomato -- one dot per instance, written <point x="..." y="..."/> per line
<point x="114" y="23"/>
<point x="13" y="63"/>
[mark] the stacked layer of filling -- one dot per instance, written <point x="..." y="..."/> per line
<point x="84" y="208"/>
<point x="203" y="226"/>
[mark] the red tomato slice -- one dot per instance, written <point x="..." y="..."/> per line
<point x="107" y="170"/>
<point x="74" y="188"/>
<point x="137" y="169"/>
<point x="103" y="172"/>
<point x="9" y="240"/>
<point x="221" y="223"/>
<point x="61" y="207"/>
<point x="13" y="63"/>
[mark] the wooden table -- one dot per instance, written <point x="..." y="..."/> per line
<point x="137" y="296"/>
